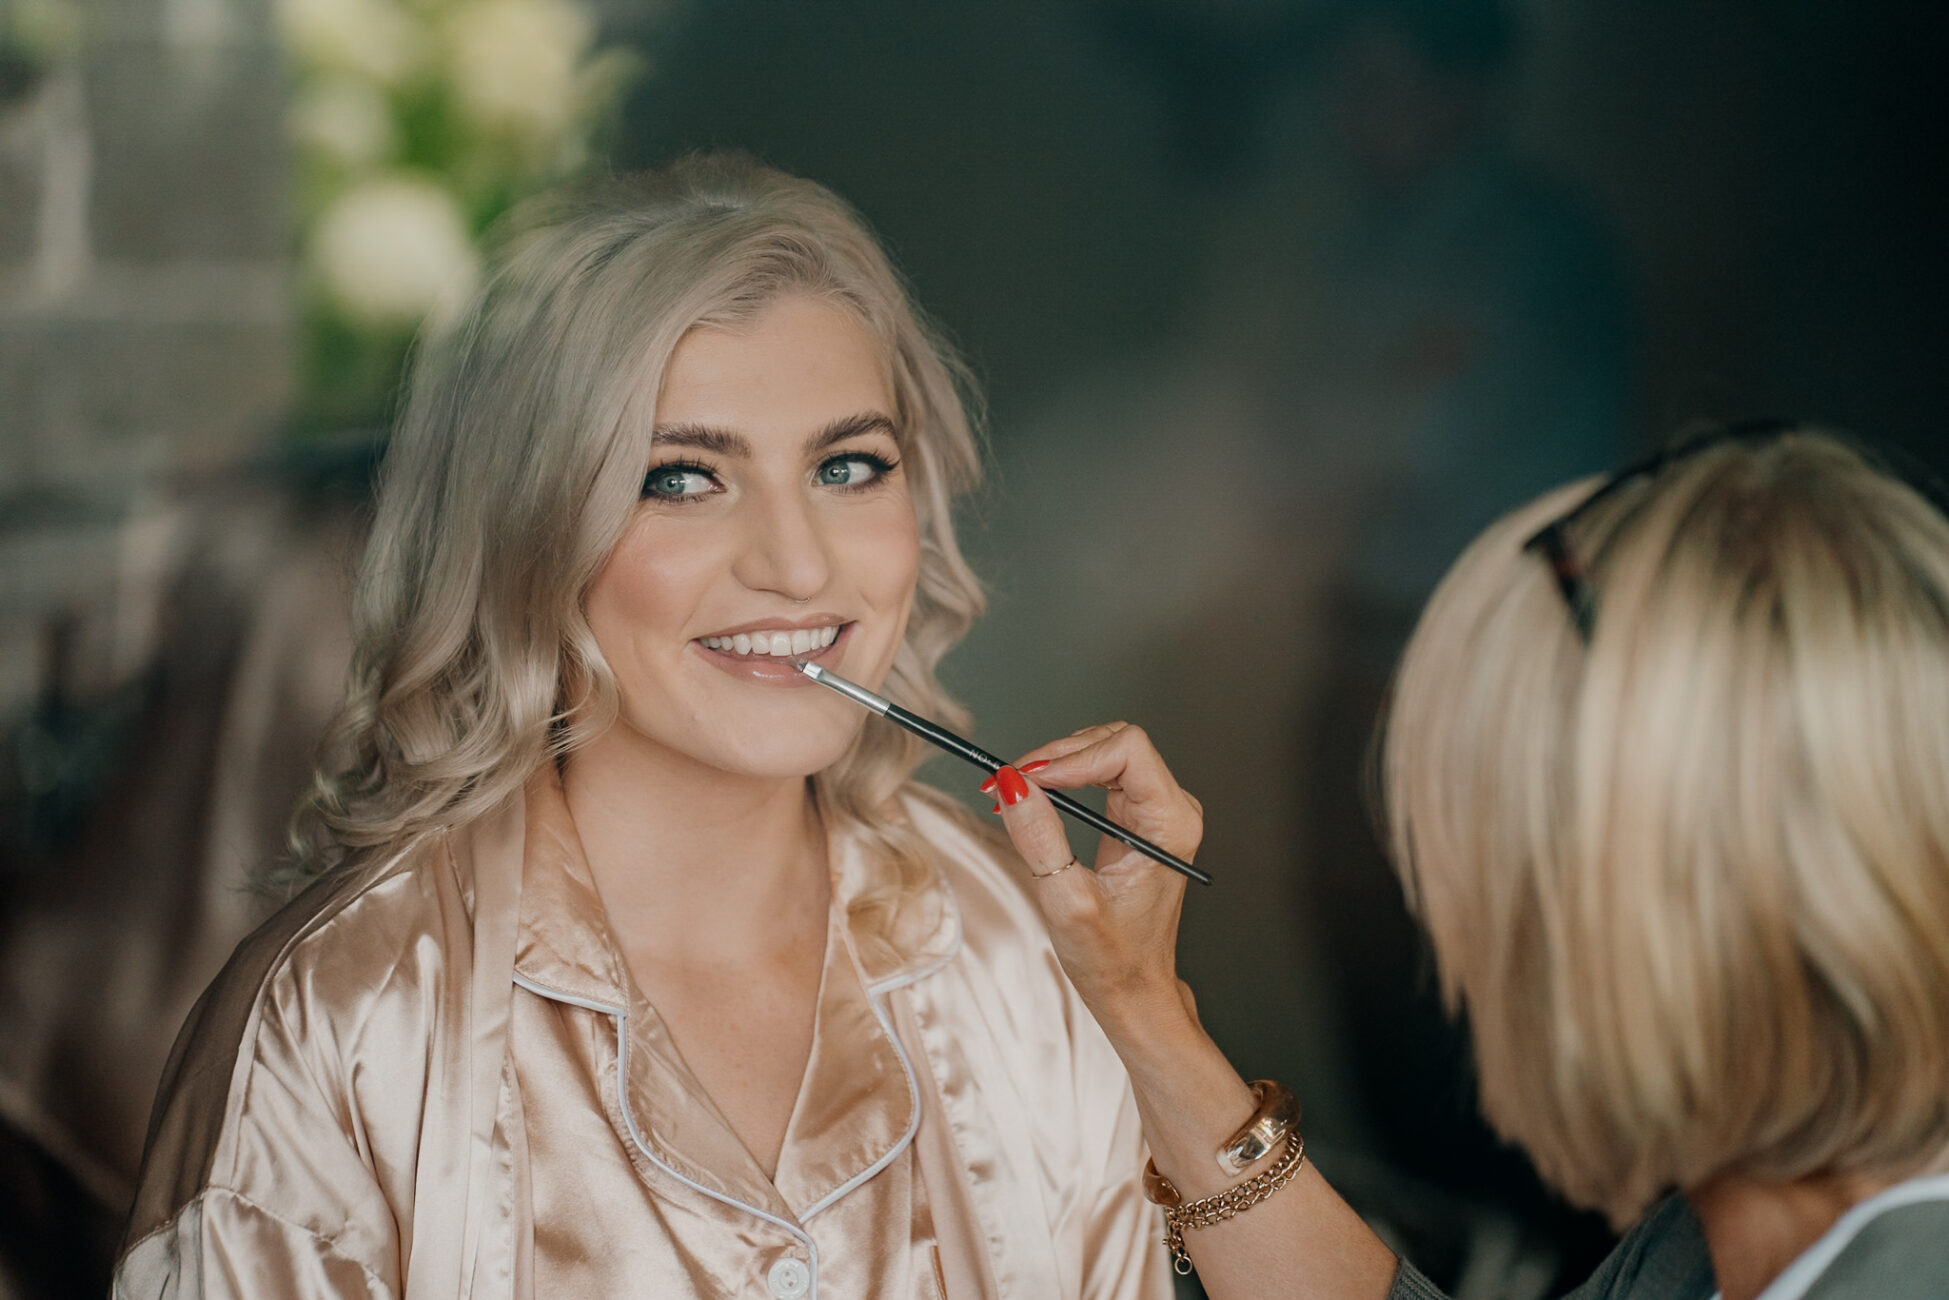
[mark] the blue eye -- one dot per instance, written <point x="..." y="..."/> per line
<point x="678" y="482"/>
<point x="855" y="469"/>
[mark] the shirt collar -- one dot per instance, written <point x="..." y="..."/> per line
<point x="857" y="1104"/>
<point x="562" y="940"/>
<point x="1800" y="1277"/>
<point x="923" y="933"/>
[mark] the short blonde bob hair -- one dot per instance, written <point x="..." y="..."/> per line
<point x="1690" y="881"/>
<point x="519" y="457"/>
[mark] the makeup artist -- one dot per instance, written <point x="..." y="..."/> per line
<point x="1667" y="780"/>
<point x="634" y="963"/>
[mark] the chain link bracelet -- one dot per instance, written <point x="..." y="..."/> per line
<point x="1223" y="1205"/>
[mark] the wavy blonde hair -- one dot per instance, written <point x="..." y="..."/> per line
<point x="518" y="459"/>
<point x="1691" y="880"/>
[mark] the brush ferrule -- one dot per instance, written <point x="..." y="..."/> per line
<point x="851" y="690"/>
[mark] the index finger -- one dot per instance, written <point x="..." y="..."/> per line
<point x="1119" y="756"/>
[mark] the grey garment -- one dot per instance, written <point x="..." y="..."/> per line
<point x="1663" y="1258"/>
<point x="1901" y="1254"/>
<point x="1410" y="1285"/>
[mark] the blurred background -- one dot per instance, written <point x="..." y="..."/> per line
<point x="1275" y="305"/>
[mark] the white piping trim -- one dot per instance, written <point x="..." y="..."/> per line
<point x="621" y="1017"/>
<point x="913" y="1123"/>
<point x="902" y="981"/>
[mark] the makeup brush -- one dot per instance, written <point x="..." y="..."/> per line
<point x="987" y="762"/>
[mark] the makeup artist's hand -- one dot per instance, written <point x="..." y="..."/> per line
<point x="1115" y="928"/>
<point x="1115" y="931"/>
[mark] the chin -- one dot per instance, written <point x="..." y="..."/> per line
<point x="779" y="752"/>
<point x="787" y="763"/>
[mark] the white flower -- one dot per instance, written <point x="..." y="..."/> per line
<point x="515" y="65"/>
<point x="375" y="38"/>
<point x="345" y="118"/>
<point x="391" y="250"/>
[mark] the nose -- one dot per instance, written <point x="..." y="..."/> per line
<point x="785" y="549"/>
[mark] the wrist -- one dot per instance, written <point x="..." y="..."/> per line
<point x="1188" y="1093"/>
<point x="1190" y="1114"/>
<point x="1142" y="1012"/>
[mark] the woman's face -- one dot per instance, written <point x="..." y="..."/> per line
<point x="775" y="523"/>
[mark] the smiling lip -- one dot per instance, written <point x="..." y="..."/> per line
<point x="776" y="667"/>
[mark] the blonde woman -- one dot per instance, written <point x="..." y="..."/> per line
<point x="633" y="965"/>
<point x="1667" y="776"/>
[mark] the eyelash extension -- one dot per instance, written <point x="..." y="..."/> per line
<point x="882" y="467"/>
<point x="692" y="466"/>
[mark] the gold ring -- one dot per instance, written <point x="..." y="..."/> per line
<point x="1044" y="875"/>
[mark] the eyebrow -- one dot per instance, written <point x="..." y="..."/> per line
<point x="850" y="426"/>
<point x="723" y="442"/>
<point x="700" y="437"/>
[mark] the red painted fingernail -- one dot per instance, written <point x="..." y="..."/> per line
<point x="1036" y="766"/>
<point x="997" y="808"/>
<point x="988" y="786"/>
<point x="1014" y="788"/>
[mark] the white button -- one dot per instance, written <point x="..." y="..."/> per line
<point x="789" y="1279"/>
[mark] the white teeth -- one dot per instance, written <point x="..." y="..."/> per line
<point x="801" y="642"/>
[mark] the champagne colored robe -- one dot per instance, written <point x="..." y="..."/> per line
<point x="435" y="1078"/>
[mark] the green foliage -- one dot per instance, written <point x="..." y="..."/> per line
<point x="417" y="124"/>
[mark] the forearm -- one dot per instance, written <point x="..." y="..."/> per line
<point x="1304" y="1242"/>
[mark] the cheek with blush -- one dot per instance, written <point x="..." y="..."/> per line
<point x="885" y="559"/>
<point x="639" y="602"/>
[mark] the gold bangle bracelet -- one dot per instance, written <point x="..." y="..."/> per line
<point x="1275" y="1119"/>
<point x="1202" y="1213"/>
<point x="1275" y="1115"/>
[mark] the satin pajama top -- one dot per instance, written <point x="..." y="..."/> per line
<point x="436" y="1078"/>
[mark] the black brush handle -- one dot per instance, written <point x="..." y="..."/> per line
<point x="946" y="739"/>
<point x="987" y="762"/>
